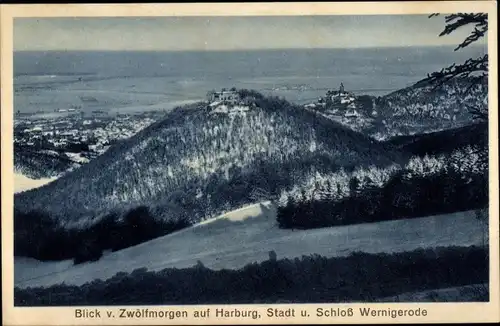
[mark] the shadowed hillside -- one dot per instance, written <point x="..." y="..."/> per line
<point x="445" y="141"/>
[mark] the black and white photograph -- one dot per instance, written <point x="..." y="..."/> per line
<point x="260" y="159"/>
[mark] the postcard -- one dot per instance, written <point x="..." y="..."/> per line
<point x="250" y="163"/>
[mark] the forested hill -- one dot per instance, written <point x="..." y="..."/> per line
<point x="202" y="160"/>
<point x="424" y="109"/>
<point x="408" y="111"/>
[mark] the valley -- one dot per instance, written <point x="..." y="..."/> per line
<point x="24" y="183"/>
<point x="48" y="146"/>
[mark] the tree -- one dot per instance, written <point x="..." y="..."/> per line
<point x="88" y="250"/>
<point x="354" y="186"/>
<point x="472" y="70"/>
<point x="483" y="217"/>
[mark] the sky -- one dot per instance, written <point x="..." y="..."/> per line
<point x="230" y="33"/>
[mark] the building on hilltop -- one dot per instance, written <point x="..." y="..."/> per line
<point x="229" y="97"/>
<point x="340" y="96"/>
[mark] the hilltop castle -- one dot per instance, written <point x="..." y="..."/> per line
<point x="225" y="96"/>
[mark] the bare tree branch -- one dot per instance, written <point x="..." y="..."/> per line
<point x="477" y="113"/>
<point x="455" y="21"/>
<point x="473" y="71"/>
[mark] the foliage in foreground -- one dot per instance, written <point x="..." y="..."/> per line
<point x="467" y="293"/>
<point x="358" y="277"/>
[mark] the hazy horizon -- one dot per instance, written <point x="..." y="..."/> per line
<point x="233" y="33"/>
<point x="450" y="46"/>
